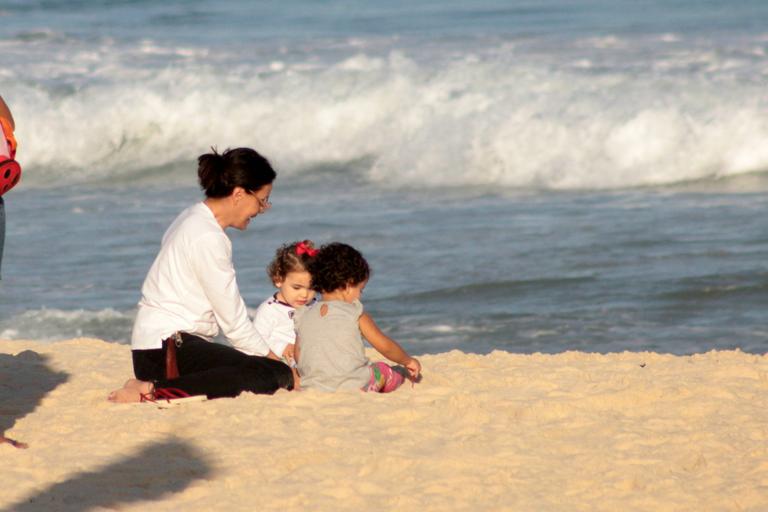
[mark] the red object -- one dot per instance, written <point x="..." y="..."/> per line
<point x="10" y="170"/>
<point x="10" y="173"/>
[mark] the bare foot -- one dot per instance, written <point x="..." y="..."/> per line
<point x="139" y="385"/>
<point x="13" y="442"/>
<point x="132" y="391"/>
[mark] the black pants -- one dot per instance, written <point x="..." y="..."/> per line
<point x="212" y="369"/>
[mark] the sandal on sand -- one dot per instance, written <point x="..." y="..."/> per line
<point x="170" y="397"/>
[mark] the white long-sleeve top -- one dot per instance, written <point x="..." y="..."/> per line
<point x="191" y="287"/>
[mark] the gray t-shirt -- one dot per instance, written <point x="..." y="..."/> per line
<point x="332" y="354"/>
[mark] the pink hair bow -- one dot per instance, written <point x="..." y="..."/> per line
<point x="302" y="248"/>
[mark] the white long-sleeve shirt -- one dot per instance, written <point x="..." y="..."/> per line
<point x="191" y="287"/>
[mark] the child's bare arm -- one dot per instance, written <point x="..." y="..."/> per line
<point x="296" y="376"/>
<point x="386" y="346"/>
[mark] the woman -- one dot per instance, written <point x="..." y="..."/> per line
<point x="190" y="293"/>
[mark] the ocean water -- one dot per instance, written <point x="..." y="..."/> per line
<point x="527" y="176"/>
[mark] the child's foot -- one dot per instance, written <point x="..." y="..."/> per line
<point x="132" y="391"/>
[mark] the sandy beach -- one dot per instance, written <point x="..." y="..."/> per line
<point x="572" y="431"/>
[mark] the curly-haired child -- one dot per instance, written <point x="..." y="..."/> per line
<point x="330" y="353"/>
<point x="274" y="317"/>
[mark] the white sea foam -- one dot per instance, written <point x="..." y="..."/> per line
<point x="55" y="324"/>
<point x="491" y="117"/>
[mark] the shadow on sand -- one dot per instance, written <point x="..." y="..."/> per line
<point x="158" y="470"/>
<point x="25" y="379"/>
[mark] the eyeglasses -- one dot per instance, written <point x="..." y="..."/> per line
<point x="264" y="203"/>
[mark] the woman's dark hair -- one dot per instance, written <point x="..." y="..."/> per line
<point x="219" y="174"/>
<point x="294" y="257"/>
<point x="336" y="266"/>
